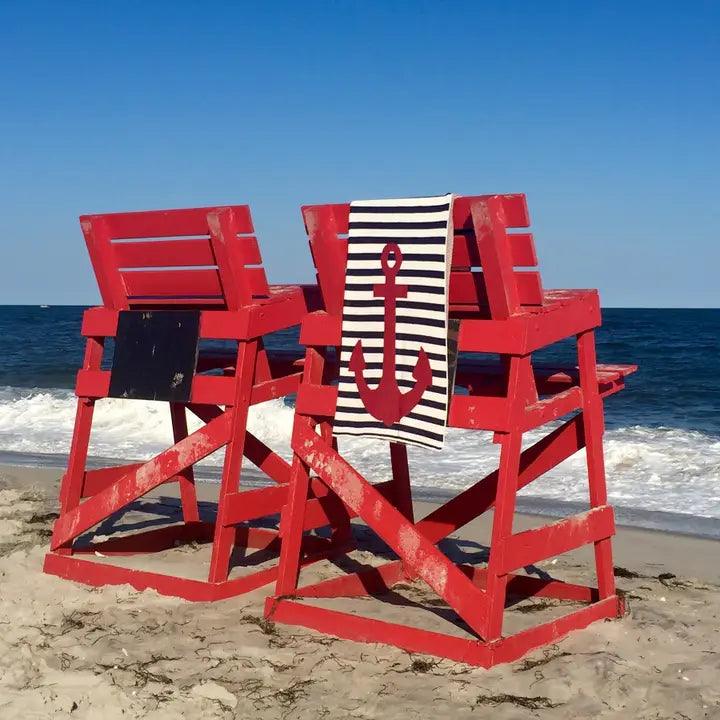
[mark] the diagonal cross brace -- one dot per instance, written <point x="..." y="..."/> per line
<point x="416" y="551"/>
<point x="535" y="461"/>
<point x="255" y="450"/>
<point x="142" y="480"/>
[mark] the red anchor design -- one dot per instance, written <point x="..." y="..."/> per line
<point x="386" y="402"/>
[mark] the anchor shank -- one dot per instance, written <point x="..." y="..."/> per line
<point x="390" y="291"/>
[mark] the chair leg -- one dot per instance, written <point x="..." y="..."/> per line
<point x="508" y="473"/>
<point x="188" y="496"/>
<point x="224" y="539"/>
<point x="71" y="486"/>
<point x="291" y="528"/>
<point x="341" y="529"/>
<point x="293" y="513"/>
<point x="402" y="492"/>
<point x="593" y="428"/>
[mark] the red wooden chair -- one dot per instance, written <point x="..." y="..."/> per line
<point x="169" y="280"/>
<point x="504" y="312"/>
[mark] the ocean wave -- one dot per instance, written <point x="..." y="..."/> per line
<point x="652" y="468"/>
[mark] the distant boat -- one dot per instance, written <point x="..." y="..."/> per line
<point x="44" y="306"/>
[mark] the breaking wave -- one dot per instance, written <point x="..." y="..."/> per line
<point x="649" y="468"/>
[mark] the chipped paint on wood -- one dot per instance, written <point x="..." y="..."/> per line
<point x="241" y="307"/>
<point x="510" y="315"/>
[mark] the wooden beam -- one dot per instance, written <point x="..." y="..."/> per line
<point x="140" y="481"/>
<point x="420" y="555"/>
<point x="532" y="546"/>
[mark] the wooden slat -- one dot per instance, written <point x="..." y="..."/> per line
<point x="286" y="307"/>
<point x="206" y="389"/>
<point x="468" y="288"/>
<point x="316" y="400"/>
<point x="530" y="331"/>
<point x="245" y="250"/>
<point x="99" y="322"/>
<point x="172" y="284"/>
<point x="164" y="253"/>
<point x="329" y="252"/>
<point x="369" y="630"/>
<point x="461" y="213"/>
<point x="150" y="541"/>
<point x="516" y="212"/>
<point x="98" y="244"/>
<point x="275" y="388"/>
<point x="256" y="280"/>
<point x="188" y="252"/>
<point x="251" y="504"/>
<point x="320" y="328"/>
<point x="552" y="408"/>
<point x="330" y="255"/>
<point x="465" y="251"/>
<point x="529" y="286"/>
<point x="514" y="207"/>
<point x="522" y="250"/>
<point x="489" y="223"/>
<point x="515" y="646"/>
<point x="168" y="223"/>
<point x="95" y="481"/>
<point x="92" y="383"/>
<point x="235" y="292"/>
<point x="337" y="214"/>
<point x="532" y="546"/>
<point x="224" y="325"/>
<point x="477" y="412"/>
<point x="213" y="389"/>
<point x="242" y="506"/>
<point x="183" y="302"/>
<point x="341" y="215"/>
<point x="527" y="586"/>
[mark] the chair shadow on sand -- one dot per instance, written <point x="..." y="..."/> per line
<point x="162" y="511"/>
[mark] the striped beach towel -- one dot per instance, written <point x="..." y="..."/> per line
<point x="393" y="380"/>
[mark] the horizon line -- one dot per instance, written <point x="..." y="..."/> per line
<point x="605" y="307"/>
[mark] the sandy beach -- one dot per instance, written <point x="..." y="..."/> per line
<point x="69" y="651"/>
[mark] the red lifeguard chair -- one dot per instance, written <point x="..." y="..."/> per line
<point x="506" y="313"/>
<point x="170" y="280"/>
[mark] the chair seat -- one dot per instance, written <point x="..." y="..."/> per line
<point x="552" y="300"/>
<point x="281" y="293"/>
<point x="487" y="406"/>
<point x="550" y="378"/>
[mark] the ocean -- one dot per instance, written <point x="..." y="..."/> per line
<point x="662" y="445"/>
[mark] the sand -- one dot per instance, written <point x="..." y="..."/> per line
<point x="68" y="651"/>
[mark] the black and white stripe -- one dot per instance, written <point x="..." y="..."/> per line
<point x="422" y="228"/>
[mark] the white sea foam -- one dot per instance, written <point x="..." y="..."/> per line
<point x="668" y="469"/>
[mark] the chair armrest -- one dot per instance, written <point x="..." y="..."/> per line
<point x="564" y="313"/>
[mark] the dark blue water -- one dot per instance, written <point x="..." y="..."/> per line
<point x="678" y="353"/>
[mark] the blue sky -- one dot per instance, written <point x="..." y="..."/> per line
<point x="605" y="114"/>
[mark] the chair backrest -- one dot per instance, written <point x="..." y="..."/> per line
<point x="485" y="255"/>
<point x="194" y="258"/>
